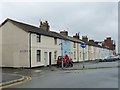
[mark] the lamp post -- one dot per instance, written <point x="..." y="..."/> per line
<point x="83" y="58"/>
<point x="83" y="46"/>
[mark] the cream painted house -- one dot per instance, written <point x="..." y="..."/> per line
<point x="90" y="52"/>
<point x="86" y="53"/>
<point x="15" y="45"/>
<point x="48" y="49"/>
<point x="0" y="47"/>
<point x="81" y="53"/>
<point x="97" y="52"/>
<point x="27" y="46"/>
<point x="74" y="51"/>
<point x="105" y="52"/>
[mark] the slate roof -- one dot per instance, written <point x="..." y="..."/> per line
<point x="37" y="30"/>
<point x="69" y="38"/>
<point x="30" y="28"/>
<point x="95" y="45"/>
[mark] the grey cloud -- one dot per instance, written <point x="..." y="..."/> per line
<point x="95" y="19"/>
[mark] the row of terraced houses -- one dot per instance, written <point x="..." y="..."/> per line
<point x="23" y="45"/>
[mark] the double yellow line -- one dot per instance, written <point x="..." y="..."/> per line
<point x="26" y="79"/>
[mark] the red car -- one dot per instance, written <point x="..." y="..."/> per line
<point x="66" y="63"/>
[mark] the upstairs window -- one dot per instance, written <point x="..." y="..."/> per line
<point x="55" y="41"/>
<point x="74" y="45"/>
<point x="38" y="38"/>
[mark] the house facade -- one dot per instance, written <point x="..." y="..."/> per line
<point x="22" y="48"/>
<point x="1" y="47"/>
<point x="15" y="46"/>
<point x="23" y="45"/>
<point x="66" y="48"/>
<point x="47" y="48"/>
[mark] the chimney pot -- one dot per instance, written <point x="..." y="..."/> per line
<point x="64" y="33"/>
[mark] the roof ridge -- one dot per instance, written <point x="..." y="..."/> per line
<point x="15" y="21"/>
<point x="22" y="22"/>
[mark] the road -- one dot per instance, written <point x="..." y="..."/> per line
<point x="93" y="78"/>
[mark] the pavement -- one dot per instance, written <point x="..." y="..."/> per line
<point x="7" y="79"/>
<point x="20" y="75"/>
<point x="93" y="65"/>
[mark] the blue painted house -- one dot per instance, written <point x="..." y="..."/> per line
<point x="65" y="47"/>
<point x="68" y="45"/>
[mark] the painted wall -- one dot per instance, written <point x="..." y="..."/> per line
<point x="81" y="53"/>
<point x="90" y="52"/>
<point x="104" y="53"/>
<point x="46" y="46"/>
<point x="86" y="53"/>
<point x="14" y="49"/>
<point x="97" y="53"/>
<point x="14" y="46"/>
<point x="0" y="47"/>
<point x="111" y="52"/>
<point x="66" y="47"/>
<point x="78" y="52"/>
<point x="73" y="51"/>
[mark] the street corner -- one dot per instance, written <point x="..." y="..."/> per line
<point x="9" y="80"/>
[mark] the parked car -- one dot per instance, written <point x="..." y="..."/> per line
<point x="110" y="58"/>
<point x="66" y="63"/>
<point x="117" y="57"/>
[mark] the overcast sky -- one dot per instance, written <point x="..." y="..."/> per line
<point x="97" y="20"/>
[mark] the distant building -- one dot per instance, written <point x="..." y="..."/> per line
<point x="110" y="44"/>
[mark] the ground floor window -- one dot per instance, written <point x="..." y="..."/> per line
<point x="55" y="55"/>
<point x="80" y="55"/>
<point x="71" y="55"/>
<point x="74" y="55"/>
<point x="38" y="55"/>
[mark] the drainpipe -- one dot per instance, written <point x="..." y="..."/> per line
<point x="30" y="49"/>
<point x="77" y="52"/>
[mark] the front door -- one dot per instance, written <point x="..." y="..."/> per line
<point x="45" y="58"/>
<point x="50" y="55"/>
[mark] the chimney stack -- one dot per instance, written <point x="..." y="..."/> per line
<point x="45" y="26"/>
<point x="92" y="41"/>
<point x="84" y="38"/>
<point x="76" y="36"/>
<point x="65" y="33"/>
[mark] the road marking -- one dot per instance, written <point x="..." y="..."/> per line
<point x="27" y="79"/>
